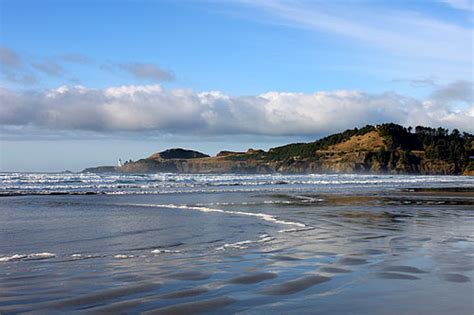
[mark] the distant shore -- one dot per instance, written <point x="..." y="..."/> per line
<point x="381" y="149"/>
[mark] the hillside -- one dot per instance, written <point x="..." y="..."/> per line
<point x="178" y="153"/>
<point x="386" y="149"/>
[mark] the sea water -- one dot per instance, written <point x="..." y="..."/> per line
<point x="250" y="244"/>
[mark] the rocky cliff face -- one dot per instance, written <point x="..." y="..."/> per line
<point x="364" y="152"/>
<point x="351" y="162"/>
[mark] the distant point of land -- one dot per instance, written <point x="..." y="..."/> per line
<point x="380" y="149"/>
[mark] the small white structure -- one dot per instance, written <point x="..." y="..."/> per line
<point x="120" y="163"/>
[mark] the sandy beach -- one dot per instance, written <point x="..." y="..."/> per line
<point x="388" y="248"/>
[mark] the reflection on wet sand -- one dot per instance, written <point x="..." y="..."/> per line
<point x="295" y="285"/>
<point x="193" y="307"/>
<point x="353" y="246"/>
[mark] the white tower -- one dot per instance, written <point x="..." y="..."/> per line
<point x="120" y="163"/>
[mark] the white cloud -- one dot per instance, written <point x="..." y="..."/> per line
<point x="151" y="108"/>
<point x="466" y="5"/>
<point x="396" y="32"/>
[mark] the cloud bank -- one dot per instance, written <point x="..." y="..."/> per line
<point x="151" y="108"/>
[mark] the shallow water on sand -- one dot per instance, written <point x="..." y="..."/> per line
<point x="348" y="249"/>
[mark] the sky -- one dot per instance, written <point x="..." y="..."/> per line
<point x="84" y="83"/>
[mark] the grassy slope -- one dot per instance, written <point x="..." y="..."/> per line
<point x="386" y="142"/>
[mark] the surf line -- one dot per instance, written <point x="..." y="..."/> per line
<point x="263" y="216"/>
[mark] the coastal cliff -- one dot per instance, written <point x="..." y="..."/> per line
<point x="381" y="149"/>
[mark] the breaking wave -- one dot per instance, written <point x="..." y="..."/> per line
<point x="263" y="216"/>
<point x="12" y="184"/>
<point x="18" y="257"/>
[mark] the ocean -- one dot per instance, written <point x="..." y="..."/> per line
<point x="245" y="244"/>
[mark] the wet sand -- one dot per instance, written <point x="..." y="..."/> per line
<point x="378" y="252"/>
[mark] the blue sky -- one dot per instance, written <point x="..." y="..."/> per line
<point x="63" y="61"/>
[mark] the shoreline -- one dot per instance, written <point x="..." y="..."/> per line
<point x="223" y="250"/>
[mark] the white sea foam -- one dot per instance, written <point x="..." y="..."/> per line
<point x="122" y="256"/>
<point x="308" y="199"/>
<point x="238" y="245"/>
<point x="40" y="256"/>
<point x="35" y="256"/>
<point x="271" y="202"/>
<point x="244" y="244"/>
<point x="263" y="216"/>
<point x="12" y="258"/>
<point x="265" y="238"/>
<point x="163" y="183"/>
<point x="81" y="256"/>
